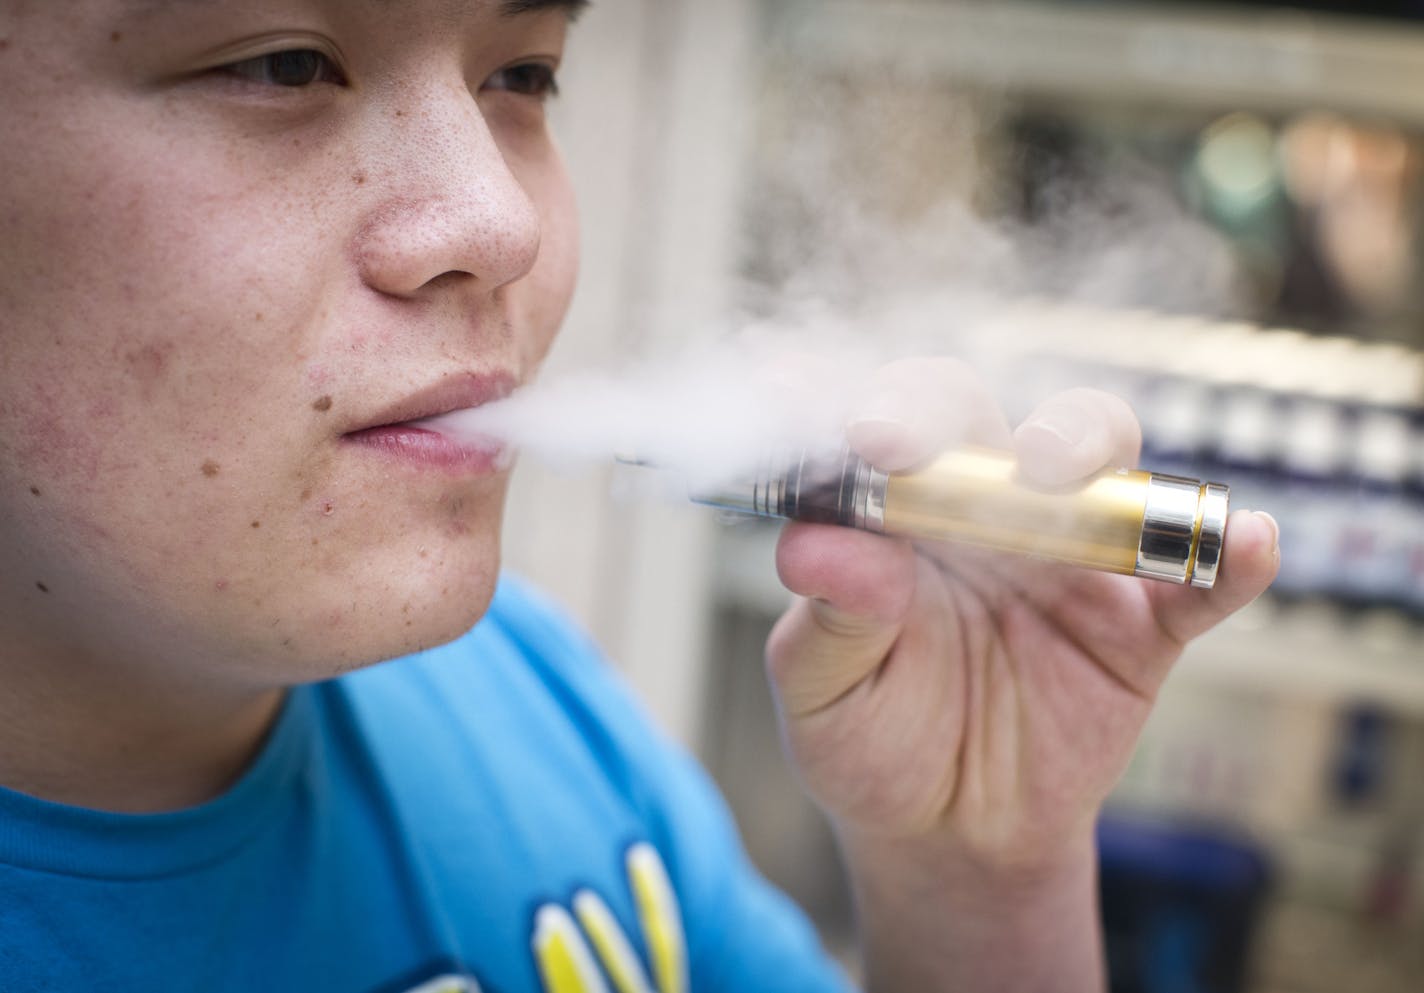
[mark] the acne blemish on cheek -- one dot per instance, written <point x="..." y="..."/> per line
<point x="328" y="507"/>
<point x="256" y="525"/>
<point x="116" y="37"/>
<point x="220" y="585"/>
<point x="211" y="468"/>
<point x="359" y="178"/>
<point x="34" y="491"/>
<point x="322" y="404"/>
<point x="148" y="365"/>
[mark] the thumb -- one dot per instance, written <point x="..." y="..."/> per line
<point x="1251" y="557"/>
<point x="855" y="590"/>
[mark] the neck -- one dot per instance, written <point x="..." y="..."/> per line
<point x="92" y="733"/>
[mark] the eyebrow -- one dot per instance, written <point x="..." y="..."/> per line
<point x="507" y="8"/>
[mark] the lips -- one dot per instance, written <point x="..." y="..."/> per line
<point x="393" y="432"/>
<point x="455" y="393"/>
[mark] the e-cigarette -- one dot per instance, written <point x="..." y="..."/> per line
<point x="1124" y="521"/>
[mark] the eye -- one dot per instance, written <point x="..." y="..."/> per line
<point x="293" y="68"/>
<point x="532" y="79"/>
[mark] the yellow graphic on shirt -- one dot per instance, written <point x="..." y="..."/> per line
<point x="567" y="963"/>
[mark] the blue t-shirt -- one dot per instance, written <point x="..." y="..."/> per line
<point x="494" y="815"/>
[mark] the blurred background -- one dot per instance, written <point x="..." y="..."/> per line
<point x="1212" y="208"/>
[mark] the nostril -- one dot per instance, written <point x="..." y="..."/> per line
<point x="450" y="280"/>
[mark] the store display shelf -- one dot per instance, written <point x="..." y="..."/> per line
<point x="1173" y="53"/>
<point x="1316" y="649"/>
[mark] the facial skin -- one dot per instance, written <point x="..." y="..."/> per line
<point x="208" y="280"/>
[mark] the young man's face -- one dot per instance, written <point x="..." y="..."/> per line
<point x="238" y="242"/>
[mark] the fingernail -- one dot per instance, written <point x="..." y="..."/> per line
<point x="1068" y="425"/>
<point x="1275" y="530"/>
<point x="881" y="431"/>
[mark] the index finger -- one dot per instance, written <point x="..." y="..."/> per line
<point x="1074" y="434"/>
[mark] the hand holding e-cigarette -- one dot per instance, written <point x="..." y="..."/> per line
<point x="961" y="714"/>
<point x="1116" y="519"/>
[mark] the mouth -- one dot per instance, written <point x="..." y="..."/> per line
<point x="401" y="433"/>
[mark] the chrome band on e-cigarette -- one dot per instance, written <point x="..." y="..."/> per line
<point x="1125" y="521"/>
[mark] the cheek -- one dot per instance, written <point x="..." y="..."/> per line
<point x="150" y="388"/>
<point x="146" y="417"/>
<point x="47" y="442"/>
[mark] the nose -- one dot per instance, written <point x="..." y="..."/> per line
<point x="452" y="206"/>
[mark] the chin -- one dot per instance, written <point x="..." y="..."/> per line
<point x="402" y="612"/>
<point x="448" y="615"/>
